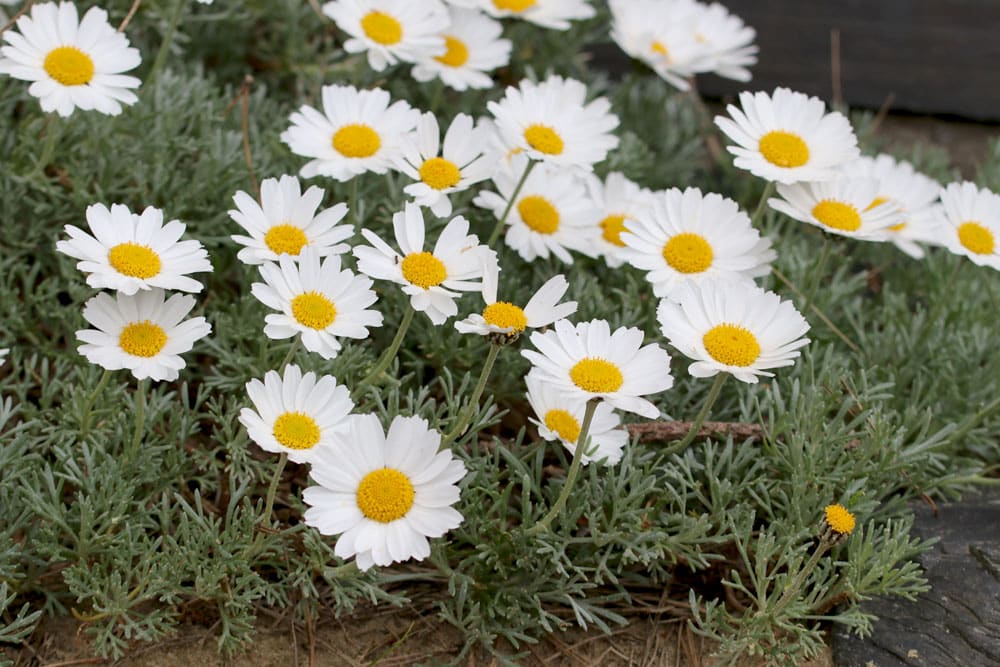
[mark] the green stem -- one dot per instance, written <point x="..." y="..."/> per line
<point x="510" y="203"/>
<point x="273" y="489"/>
<point x="140" y="419"/>
<point x="582" y="443"/>
<point x="352" y="200"/>
<point x="168" y="38"/>
<point x="463" y="420"/>
<point x="768" y="191"/>
<point x="817" y="273"/>
<point x="89" y="404"/>
<point x="292" y="349"/>
<point x="792" y="589"/>
<point x="388" y="355"/>
<point x="52" y="131"/>
<point x="713" y="396"/>
<point x="819" y="313"/>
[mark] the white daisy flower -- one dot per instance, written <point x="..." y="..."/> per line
<point x="727" y="42"/>
<point x="3" y="355"/>
<point x="553" y="122"/>
<point x="689" y="236"/>
<point x="846" y="207"/>
<point x="295" y="413"/>
<point x="461" y="163"/>
<point x="910" y="192"/>
<point x="285" y="221"/>
<point x="384" y="494"/>
<point x="553" y="14"/>
<point x="473" y="47"/>
<point x="971" y="224"/>
<point x="130" y="252"/>
<point x="560" y="417"/>
<point x="589" y="361"/>
<point x="660" y="34"/>
<point x="358" y="131"/>
<point x="788" y="137"/>
<point x="505" y="318"/>
<point x="433" y="279"/>
<point x="391" y="31"/>
<point x="71" y="63"/>
<point x="319" y="301"/>
<point x="141" y="332"/>
<point x="733" y="328"/>
<point x="552" y="213"/>
<point x="619" y="200"/>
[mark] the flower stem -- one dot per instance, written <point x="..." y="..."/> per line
<point x="463" y="420"/>
<point x="292" y="349"/>
<point x="168" y="38"/>
<point x="793" y="588"/>
<point x="140" y="419"/>
<point x="768" y="191"/>
<point x="388" y="355"/>
<point x="52" y="131"/>
<point x="713" y="395"/>
<point x="352" y="200"/>
<point x="273" y="489"/>
<point x="510" y="204"/>
<point x="89" y="404"/>
<point x="574" y="470"/>
<point x="817" y="273"/>
<point x="819" y="313"/>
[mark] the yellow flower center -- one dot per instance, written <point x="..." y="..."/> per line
<point x="356" y="141"/>
<point x="598" y="376"/>
<point x="382" y="28"/>
<point x="543" y="139"/>
<point x="839" y="519"/>
<point x="731" y="345"/>
<point x="660" y="49"/>
<point x="142" y="339"/>
<point x="688" y="253"/>
<point x="538" y="214"/>
<point x="285" y="239"/>
<point x="784" y="149"/>
<point x="440" y="173"/>
<point x="385" y="494"/>
<point x="976" y="238"/>
<point x="564" y="424"/>
<point x="456" y="52"/>
<point x="837" y="215"/>
<point x="514" y="5"/>
<point x="313" y="310"/>
<point x="612" y="228"/>
<point x="69" y="66"/>
<point x="296" y="430"/>
<point x="134" y="260"/>
<point x="424" y="269"/>
<point x="502" y="314"/>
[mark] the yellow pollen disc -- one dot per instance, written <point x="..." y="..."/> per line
<point x="313" y="310"/>
<point x="837" y="215"/>
<point x="424" y="269"/>
<point x="439" y="173"/>
<point x="976" y="238"/>
<point x="134" y="260"/>
<point x="142" y="339"/>
<point x="564" y="424"/>
<point x="598" y="376"/>
<point x="456" y="52"/>
<point x="514" y="5"/>
<point x="285" y="239"/>
<point x="538" y="214"/>
<point x="296" y="430"/>
<point x="839" y="519"/>
<point x="356" y="141"/>
<point x="612" y="228"/>
<point x="69" y="66"/>
<point x="688" y="253"/>
<point x="897" y="228"/>
<point x="382" y="28"/>
<point x="731" y="345"/>
<point x="784" y="149"/>
<point x="385" y="494"/>
<point x="878" y="201"/>
<point x="502" y="314"/>
<point x="543" y="139"/>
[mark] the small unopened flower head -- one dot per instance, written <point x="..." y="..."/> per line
<point x="838" y="519"/>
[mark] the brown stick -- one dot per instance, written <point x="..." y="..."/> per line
<point x="666" y="430"/>
<point x="15" y="17"/>
<point x="245" y="108"/>
<point x="128" y="17"/>
<point x="81" y="661"/>
<point x="838" y="96"/>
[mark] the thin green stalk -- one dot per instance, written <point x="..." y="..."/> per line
<point x="293" y="348"/>
<point x="793" y="588"/>
<point x="817" y="272"/>
<point x="273" y="489"/>
<point x="168" y="38"/>
<point x="352" y="200"/>
<point x="582" y="442"/>
<point x="388" y="355"/>
<point x="89" y="404"/>
<point x="53" y="128"/>
<point x="140" y="419"/>
<point x="819" y="313"/>
<point x="510" y="203"/>
<point x="463" y="420"/>
<point x="768" y="191"/>
<point x="713" y="396"/>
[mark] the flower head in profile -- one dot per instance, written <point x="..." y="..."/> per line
<point x="788" y="137"/>
<point x="296" y="414"/>
<point x="552" y="14"/>
<point x="383" y="493"/>
<point x="971" y="223"/>
<point x="128" y="252"/>
<point x="144" y="333"/>
<point x="589" y="361"/>
<point x="357" y="131"/>
<point x="390" y="31"/>
<point x="442" y="170"/>
<point x="473" y="48"/>
<point x="508" y="319"/>
<point x="319" y="301"/>
<point x="433" y="279"/>
<point x="72" y="63"/>
<point x="846" y="207"/>
<point x="619" y="201"/>
<point x="285" y="221"/>
<point x="731" y="327"/>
